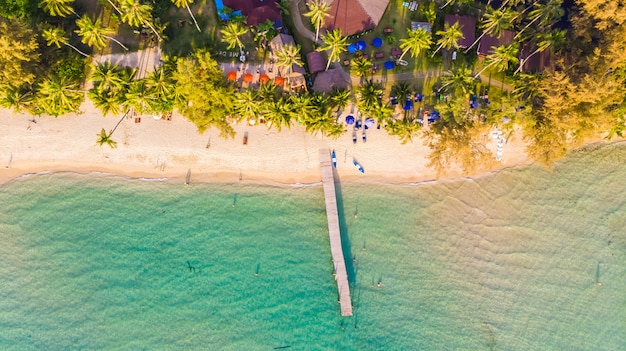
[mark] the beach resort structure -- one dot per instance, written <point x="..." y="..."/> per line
<point x="255" y="11"/>
<point x="355" y="16"/>
<point x="468" y="28"/>
<point x="296" y="73"/>
<point x="488" y="42"/>
<point x="334" y="233"/>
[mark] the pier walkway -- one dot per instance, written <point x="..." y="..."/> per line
<point x="341" y="274"/>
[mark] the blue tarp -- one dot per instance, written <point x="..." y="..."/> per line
<point x="377" y="42"/>
<point x="390" y="65"/>
<point x="360" y="45"/>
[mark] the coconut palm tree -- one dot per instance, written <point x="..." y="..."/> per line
<point x="93" y="34"/>
<point x="106" y="76"/>
<point x="139" y="98"/>
<point x="552" y="39"/>
<point x="368" y="96"/>
<point x="57" y="96"/>
<point x="501" y="58"/>
<point x="336" y="43"/>
<point x="287" y="56"/>
<point x="418" y="41"/>
<point x="56" y="36"/>
<point x="20" y="99"/>
<point x="247" y="105"/>
<point x="339" y="98"/>
<point x="449" y="37"/>
<point x="544" y="13"/>
<point x="361" y="67"/>
<point x="318" y="11"/>
<point x="459" y="78"/>
<point x="186" y="3"/>
<point x="160" y="84"/>
<point x="135" y="14"/>
<point x="105" y="138"/>
<point x="277" y="112"/>
<point x="494" y="23"/>
<point x="232" y="34"/>
<point x="60" y="8"/>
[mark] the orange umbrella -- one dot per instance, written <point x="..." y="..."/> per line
<point x="264" y="78"/>
<point x="247" y="77"/>
<point x="232" y="75"/>
<point x="279" y="81"/>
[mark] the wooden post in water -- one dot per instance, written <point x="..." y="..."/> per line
<point x="341" y="274"/>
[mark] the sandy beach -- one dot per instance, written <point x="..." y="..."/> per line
<point x="158" y="148"/>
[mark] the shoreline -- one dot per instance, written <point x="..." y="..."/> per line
<point x="156" y="148"/>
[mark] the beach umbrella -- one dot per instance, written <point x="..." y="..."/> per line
<point x="369" y="123"/>
<point x="389" y="65"/>
<point x="408" y="105"/>
<point x="264" y="78"/>
<point x="279" y="81"/>
<point x="352" y="48"/>
<point x="360" y="45"/>
<point x="350" y="119"/>
<point x="377" y="42"/>
<point x="247" y="77"/>
<point x="232" y="75"/>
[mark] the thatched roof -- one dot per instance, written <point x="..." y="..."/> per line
<point x="355" y="16"/>
<point x="325" y="81"/>
<point x="315" y="60"/>
<point x="468" y="27"/>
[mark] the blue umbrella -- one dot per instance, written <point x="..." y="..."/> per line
<point x="369" y="123"/>
<point x="352" y="48"/>
<point x="408" y="105"/>
<point x="377" y="42"/>
<point x="389" y="65"/>
<point x="360" y="45"/>
<point x="350" y="119"/>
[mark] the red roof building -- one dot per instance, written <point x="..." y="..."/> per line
<point x="468" y="27"/>
<point x="257" y="11"/>
<point x="488" y="42"/>
<point x="355" y="16"/>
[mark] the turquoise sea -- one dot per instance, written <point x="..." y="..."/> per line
<point x="509" y="261"/>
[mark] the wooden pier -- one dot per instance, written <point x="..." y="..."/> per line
<point x="341" y="274"/>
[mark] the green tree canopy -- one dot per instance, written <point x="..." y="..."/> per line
<point x="19" y="57"/>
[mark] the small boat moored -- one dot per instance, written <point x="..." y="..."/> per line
<point x="358" y="166"/>
<point x="333" y="156"/>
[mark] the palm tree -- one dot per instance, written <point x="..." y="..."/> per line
<point x="186" y="3"/>
<point x="449" y="37"/>
<point x="501" y="58"/>
<point x="139" y="98"/>
<point x="60" y="8"/>
<point x="20" y="99"/>
<point x="494" y="23"/>
<point x="336" y="43"/>
<point x="277" y="112"/>
<point x="105" y="138"/>
<point x="552" y="39"/>
<point x="545" y="14"/>
<point x="56" y="36"/>
<point x="418" y="41"/>
<point x="459" y="78"/>
<point x="106" y="76"/>
<point x="135" y="14"/>
<point x="93" y="34"/>
<point x="361" y="67"/>
<point x="247" y="104"/>
<point x="368" y="96"/>
<point x="160" y="84"/>
<point x="107" y="101"/>
<point x="318" y="11"/>
<point x="340" y="98"/>
<point x="57" y="96"/>
<point x="232" y="34"/>
<point x="287" y="56"/>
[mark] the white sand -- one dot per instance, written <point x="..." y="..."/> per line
<point x="160" y="148"/>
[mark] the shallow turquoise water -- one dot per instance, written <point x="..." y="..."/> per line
<point x="510" y="261"/>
